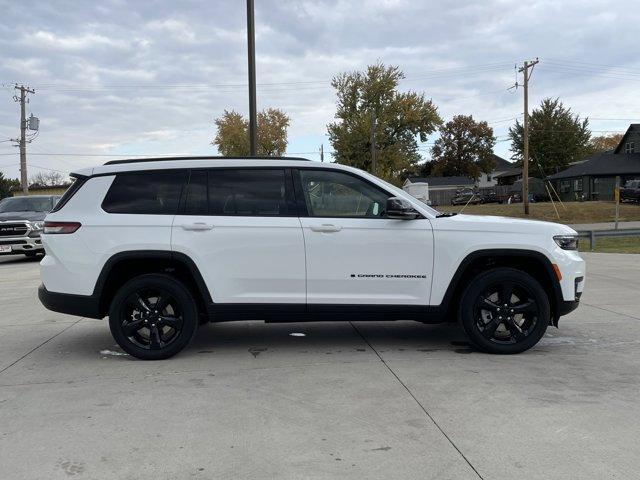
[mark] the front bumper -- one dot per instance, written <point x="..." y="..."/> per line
<point x="22" y="244"/>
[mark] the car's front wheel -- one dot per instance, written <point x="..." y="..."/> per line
<point x="504" y="311"/>
<point x="153" y="317"/>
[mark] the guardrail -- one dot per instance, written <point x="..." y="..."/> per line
<point x="593" y="234"/>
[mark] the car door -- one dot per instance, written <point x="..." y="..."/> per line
<point x="240" y="227"/>
<point x="354" y="254"/>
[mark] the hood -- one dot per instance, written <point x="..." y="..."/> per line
<point x="31" y="216"/>
<point x="488" y="223"/>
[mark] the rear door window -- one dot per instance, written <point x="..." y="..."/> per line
<point x="244" y="192"/>
<point x="248" y="192"/>
<point x="197" y="196"/>
<point x="149" y="193"/>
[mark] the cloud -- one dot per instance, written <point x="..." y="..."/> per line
<point x="128" y="77"/>
<point x="47" y="40"/>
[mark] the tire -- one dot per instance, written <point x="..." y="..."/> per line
<point x="147" y="333"/>
<point x="490" y="326"/>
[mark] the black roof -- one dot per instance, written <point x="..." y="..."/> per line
<point x="606" y="163"/>
<point x="501" y="163"/>
<point x="167" y="159"/>
<point x="441" y="181"/>
<point x="634" y="127"/>
<point x="510" y="173"/>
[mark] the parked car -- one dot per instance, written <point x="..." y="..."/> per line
<point x="160" y="245"/>
<point x="630" y="192"/>
<point x="490" y="197"/>
<point x="21" y="221"/>
<point x="466" y="195"/>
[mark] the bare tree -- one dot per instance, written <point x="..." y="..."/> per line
<point x="49" y="179"/>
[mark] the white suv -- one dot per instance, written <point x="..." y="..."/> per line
<point x="161" y="245"/>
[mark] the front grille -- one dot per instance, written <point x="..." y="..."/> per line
<point x="13" y="242"/>
<point x="13" y="229"/>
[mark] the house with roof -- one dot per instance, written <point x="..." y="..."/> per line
<point x="491" y="179"/>
<point x="456" y="183"/>
<point x="36" y="189"/>
<point x="442" y="189"/>
<point x="594" y="177"/>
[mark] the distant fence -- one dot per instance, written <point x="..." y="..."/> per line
<point x="593" y="234"/>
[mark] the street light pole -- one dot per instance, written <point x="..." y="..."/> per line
<point x="251" y="43"/>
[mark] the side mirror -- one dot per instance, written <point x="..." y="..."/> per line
<point x="399" y="209"/>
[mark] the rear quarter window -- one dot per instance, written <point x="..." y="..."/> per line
<point x="148" y="193"/>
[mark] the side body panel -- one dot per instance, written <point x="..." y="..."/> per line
<point x="73" y="262"/>
<point x="245" y="259"/>
<point x="368" y="261"/>
<point x="460" y="236"/>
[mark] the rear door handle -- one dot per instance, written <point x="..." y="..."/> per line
<point x="197" y="226"/>
<point x="326" y="228"/>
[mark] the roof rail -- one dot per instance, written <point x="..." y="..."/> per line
<point x="167" y="159"/>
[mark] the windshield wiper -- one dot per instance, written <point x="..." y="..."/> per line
<point x="441" y="215"/>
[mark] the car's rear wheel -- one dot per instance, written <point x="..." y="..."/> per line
<point x="153" y="317"/>
<point x="504" y="311"/>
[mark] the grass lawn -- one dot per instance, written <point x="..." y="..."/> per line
<point x="612" y="245"/>
<point x="573" y="212"/>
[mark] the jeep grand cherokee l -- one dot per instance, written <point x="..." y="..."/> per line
<point x="159" y="245"/>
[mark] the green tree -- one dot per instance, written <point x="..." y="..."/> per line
<point x="401" y="119"/>
<point x="604" y="143"/>
<point x="557" y="137"/>
<point x="464" y="148"/>
<point x="232" y="137"/>
<point x="6" y="184"/>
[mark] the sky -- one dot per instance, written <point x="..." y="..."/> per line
<point x="120" y="78"/>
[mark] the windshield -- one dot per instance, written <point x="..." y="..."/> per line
<point x="26" y="204"/>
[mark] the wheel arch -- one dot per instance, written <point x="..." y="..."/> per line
<point x="532" y="262"/>
<point x="126" y="265"/>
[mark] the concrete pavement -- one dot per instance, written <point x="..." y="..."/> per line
<point x="364" y="400"/>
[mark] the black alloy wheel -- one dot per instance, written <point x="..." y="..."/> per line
<point x="504" y="311"/>
<point x="153" y="317"/>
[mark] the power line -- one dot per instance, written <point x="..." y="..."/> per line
<point x="32" y="165"/>
<point x="433" y="73"/>
<point x="564" y="61"/>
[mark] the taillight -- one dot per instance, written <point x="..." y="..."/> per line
<point x="60" y="227"/>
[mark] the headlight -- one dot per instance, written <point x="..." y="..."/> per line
<point x="37" y="225"/>
<point x="567" y="242"/>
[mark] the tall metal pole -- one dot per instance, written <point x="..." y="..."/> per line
<point x="525" y="165"/>
<point x="251" y="42"/>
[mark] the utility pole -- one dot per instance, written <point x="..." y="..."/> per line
<point x="22" y="142"/>
<point x="373" y="142"/>
<point x="251" y="44"/>
<point x="322" y="152"/>
<point x="525" y="137"/>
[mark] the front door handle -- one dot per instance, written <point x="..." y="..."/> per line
<point x="326" y="228"/>
<point x="197" y="226"/>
